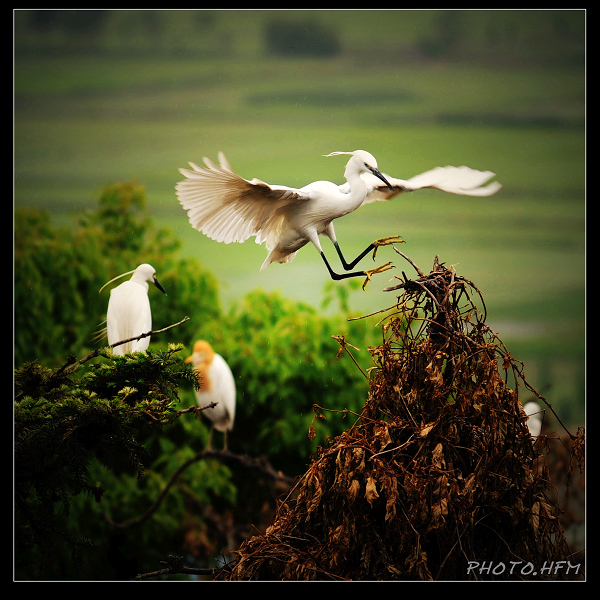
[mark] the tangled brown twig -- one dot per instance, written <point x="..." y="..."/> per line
<point x="438" y="473"/>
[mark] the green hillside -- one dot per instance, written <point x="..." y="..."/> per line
<point x="106" y="96"/>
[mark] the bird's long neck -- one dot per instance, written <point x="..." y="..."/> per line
<point x="139" y="279"/>
<point x="358" y="189"/>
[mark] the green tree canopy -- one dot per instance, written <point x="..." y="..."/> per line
<point x="99" y="437"/>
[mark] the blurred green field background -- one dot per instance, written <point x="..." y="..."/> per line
<point x="138" y="94"/>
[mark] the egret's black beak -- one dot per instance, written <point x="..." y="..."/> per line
<point x="160" y="287"/>
<point x="380" y="176"/>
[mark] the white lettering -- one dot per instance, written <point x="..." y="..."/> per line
<point x="472" y="565"/>
<point x="514" y="563"/>
<point x="484" y="569"/>
<point x="576" y="567"/>
<point x="517" y="567"/>
<point x="529" y="568"/>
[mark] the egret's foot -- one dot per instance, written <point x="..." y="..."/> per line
<point x="385" y="267"/>
<point x="387" y="241"/>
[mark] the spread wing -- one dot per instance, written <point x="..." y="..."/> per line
<point x="227" y="208"/>
<point x="455" y="180"/>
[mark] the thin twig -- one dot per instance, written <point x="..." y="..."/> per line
<point x="98" y="350"/>
<point x="149" y="333"/>
<point x="373" y="313"/>
<point x="394" y="448"/>
<point x="416" y="268"/>
<point x="175" y="566"/>
<point x="194" y="409"/>
<point x="344" y="346"/>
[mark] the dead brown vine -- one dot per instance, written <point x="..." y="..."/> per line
<point x="437" y="473"/>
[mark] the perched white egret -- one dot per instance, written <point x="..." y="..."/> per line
<point x="218" y="386"/>
<point x="227" y="208"/>
<point x="534" y="418"/>
<point x="129" y="313"/>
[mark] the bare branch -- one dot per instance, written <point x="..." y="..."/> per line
<point x="344" y="346"/>
<point x="98" y="350"/>
<point x="258" y="464"/>
<point x="416" y="268"/>
<point x="175" y="566"/>
<point x="149" y="333"/>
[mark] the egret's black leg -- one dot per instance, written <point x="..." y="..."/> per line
<point x="347" y="266"/>
<point x="368" y="274"/>
<point x="382" y="242"/>
<point x="338" y="276"/>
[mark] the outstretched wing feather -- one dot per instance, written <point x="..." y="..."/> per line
<point x="455" y="180"/>
<point x="226" y="207"/>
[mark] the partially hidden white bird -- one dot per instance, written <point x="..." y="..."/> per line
<point x="534" y="418"/>
<point x="227" y="208"/>
<point x="218" y="385"/>
<point x="129" y="313"/>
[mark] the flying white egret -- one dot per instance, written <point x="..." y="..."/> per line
<point x="227" y="208"/>
<point x="218" y="386"/>
<point x="129" y="313"/>
<point x="534" y="420"/>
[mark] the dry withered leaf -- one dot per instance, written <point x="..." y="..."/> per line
<point x="353" y="490"/>
<point x="371" y="492"/>
<point x="426" y="429"/>
<point x="437" y="457"/>
<point x="381" y="435"/>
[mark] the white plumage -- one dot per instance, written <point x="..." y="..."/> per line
<point x="227" y="208"/>
<point x="218" y="385"/>
<point x="462" y="181"/>
<point x="129" y="313"/>
<point x="534" y="418"/>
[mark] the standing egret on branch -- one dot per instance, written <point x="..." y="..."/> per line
<point x="129" y="313"/>
<point x="227" y="208"/>
<point x="218" y="386"/>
